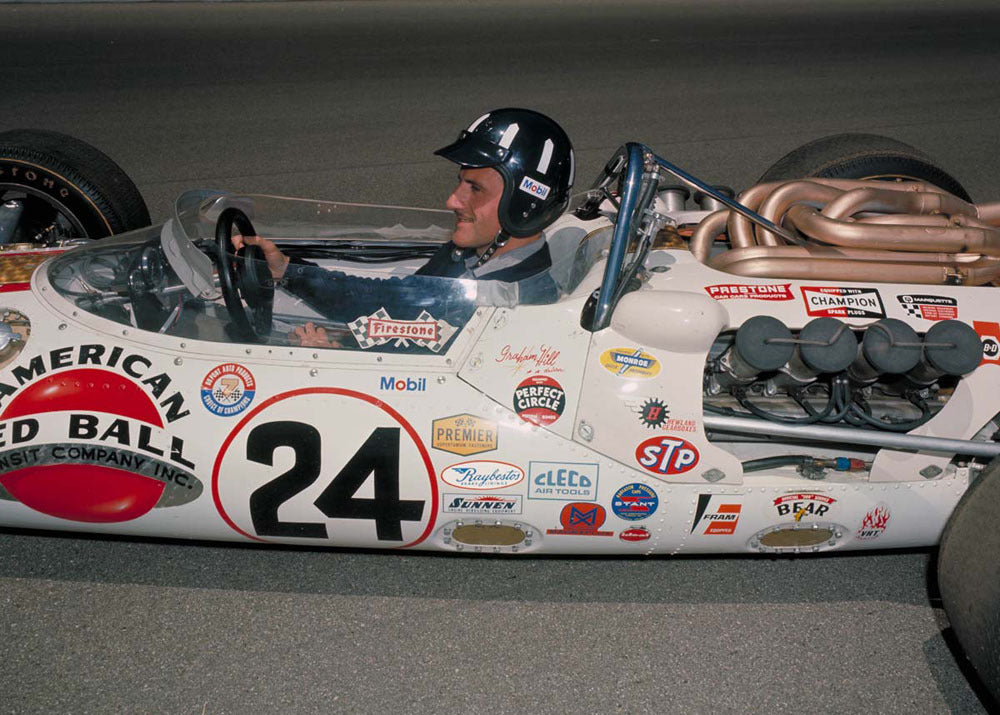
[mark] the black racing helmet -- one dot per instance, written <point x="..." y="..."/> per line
<point x="535" y="158"/>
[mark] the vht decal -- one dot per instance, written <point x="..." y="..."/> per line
<point x="666" y="455"/>
<point x="874" y="523"/>
<point x="280" y="478"/>
<point x="837" y="302"/>
<point x="800" y="505"/>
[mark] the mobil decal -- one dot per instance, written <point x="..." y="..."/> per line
<point x="874" y="523"/>
<point x="579" y="519"/>
<point x="482" y="475"/>
<point x="540" y="400"/>
<point x="365" y="478"/>
<point x="228" y="389"/>
<point x="929" y="307"/>
<point x="402" y="384"/>
<point x="530" y="359"/>
<point x="533" y="187"/>
<point x="380" y="328"/>
<point x="727" y="291"/>
<point x="492" y="504"/>
<point x="89" y="444"/>
<point x="799" y="505"/>
<point x="630" y="362"/>
<point x="634" y="534"/>
<point x="562" y="480"/>
<point x="989" y="333"/>
<point x="634" y="501"/>
<point x="464" y="434"/>
<point x="666" y="455"/>
<point x="838" y="302"/>
<point x="718" y="519"/>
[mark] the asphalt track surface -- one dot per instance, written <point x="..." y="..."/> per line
<point x="346" y="101"/>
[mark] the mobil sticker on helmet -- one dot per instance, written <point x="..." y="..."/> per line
<point x="665" y="454"/>
<point x="535" y="188"/>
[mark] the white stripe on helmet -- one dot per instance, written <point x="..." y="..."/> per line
<point x="543" y="162"/>
<point x="472" y="127"/>
<point x="508" y="136"/>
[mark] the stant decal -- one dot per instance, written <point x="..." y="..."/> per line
<point x="380" y="328"/>
<point x="665" y="454"/>
<point x="492" y="504"/>
<point x="874" y="523"/>
<point x="562" y="481"/>
<point x="634" y="501"/>
<point x="483" y="475"/>
<point x="580" y="519"/>
<point x="228" y="389"/>
<point x="721" y="520"/>
<point x="401" y="384"/>
<point x="89" y="444"/>
<point x="929" y="307"/>
<point x="531" y="359"/>
<point x="803" y="504"/>
<point x="630" y="362"/>
<point x="464" y="434"/>
<point x="837" y="302"/>
<point x="539" y="400"/>
<point x="726" y="291"/>
<point x="990" y="335"/>
<point x="634" y="534"/>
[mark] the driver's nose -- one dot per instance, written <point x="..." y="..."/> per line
<point x="455" y="202"/>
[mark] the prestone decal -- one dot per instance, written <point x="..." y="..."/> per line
<point x="482" y="475"/>
<point x="929" y="307"/>
<point x="630" y="362"/>
<point x="580" y="519"/>
<point x="228" y="389"/>
<point x="634" y="501"/>
<point x="540" y="400"/>
<point x="727" y="291"/>
<point x="837" y="302"/>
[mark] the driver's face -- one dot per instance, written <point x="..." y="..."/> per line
<point x="475" y="201"/>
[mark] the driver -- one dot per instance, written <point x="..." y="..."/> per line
<point x="514" y="181"/>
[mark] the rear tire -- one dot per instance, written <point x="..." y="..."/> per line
<point x="969" y="575"/>
<point x="862" y="156"/>
<point x="67" y="184"/>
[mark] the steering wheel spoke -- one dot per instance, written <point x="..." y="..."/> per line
<point x="247" y="287"/>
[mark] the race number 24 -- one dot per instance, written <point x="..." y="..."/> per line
<point x="377" y="458"/>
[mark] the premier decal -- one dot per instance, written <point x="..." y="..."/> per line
<point x="989" y="333"/>
<point x="579" y="519"/>
<point x="490" y="504"/>
<point x="666" y="455"/>
<point x="535" y="188"/>
<point x="634" y="534"/>
<point x="464" y="434"/>
<point x="634" y="502"/>
<point x="722" y="520"/>
<point x="727" y="291"/>
<point x="228" y="389"/>
<point x="380" y="328"/>
<point x="483" y="475"/>
<point x="533" y="360"/>
<point x="540" y="400"/>
<point x="799" y="505"/>
<point x="837" y="302"/>
<point x="874" y="523"/>
<point x="399" y="384"/>
<point x="562" y="481"/>
<point x="929" y="307"/>
<point x="630" y="362"/>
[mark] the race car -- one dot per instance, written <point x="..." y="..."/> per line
<point x="810" y="367"/>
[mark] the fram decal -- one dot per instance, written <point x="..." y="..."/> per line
<point x="726" y="291"/>
<point x="535" y="188"/>
<point x="799" y="505"/>
<point x="531" y="359"/>
<point x="482" y="475"/>
<point x="580" y="519"/>
<point x="666" y="455"/>
<point x="540" y="400"/>
<point x="380" y="328"/>
<point x="634" y="501"/>
<point x="228" y="389"/>
<point x="837" y="302"/>
<point x="989" y="333"/>
<point x="562" y="481"/>
<point x="491" y="504"/>
<point x="929" y="307"/>
<point x="630" y="362"/>
<point x="464" y="434"/>
<point x="874" y="523"/>
<point x="722" y="520"/>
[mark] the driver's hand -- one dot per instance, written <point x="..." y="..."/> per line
<point x="312" y="336"/>
<point x="277" y="262"/>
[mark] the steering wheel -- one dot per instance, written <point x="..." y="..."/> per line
<point x="247" y="286"/>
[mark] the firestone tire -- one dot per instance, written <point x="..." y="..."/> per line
<point x="969" y="575"/>
<point x="57" y="175"/>
<point x="862" y="156"/>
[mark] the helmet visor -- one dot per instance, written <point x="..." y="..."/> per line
<point x="474" y="151"/>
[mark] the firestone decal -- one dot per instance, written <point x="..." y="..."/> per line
<point x="380" y="328"/>
<point x="540" y="400"/>
<point x="562" y="481"/>
<point x="634" y="502"/>
<point x="837" y="302"/>
<point x="483" y="475"/>
<point x="990" y="335"/>
<point x="667" y="455"/>
<point x="929" y="307"/>
<point x="727" y="291"/>
<point x="874" y="523"/>
<point x="228" y="389"/>
<point x="580" y="519"/>
<point x="464" y="434"/>
<point x="630" y="362"/>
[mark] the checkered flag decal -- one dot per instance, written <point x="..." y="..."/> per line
<point x="359" y="328"/>
<point x="362" y="333"/>
<point x="912" y="308"/>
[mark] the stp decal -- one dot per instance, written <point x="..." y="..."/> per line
<point x="929" y="307"/>
<point x="990" y="335"/>
<point x="101" y="450"/>
<point x="630" y="362"/>
<point x="540" y="400"/>
<point x="579" y="519"/>
<point x="874" y="523"/>
<point x="799" y="505"/>
<point x="379" y="328"/>
<point x="562" y="481"/>
<point x="634" y="501"/>
<point x="666" y="455"/>
<point x="837" y="302"/>
<point x="228" y="389"/>
<point x="482" y="476"/>
<point x="367" y="474"/>
<point x="726" y="291"/>
<point x="721" y="519"/>
<point x="464" y="434"/>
